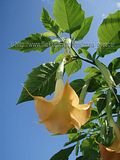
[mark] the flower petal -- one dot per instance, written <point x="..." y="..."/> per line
<point x="59" y="121"/>
<point x="63" y="112"/>
<point x="70" y="95"/>
<point x="43" y="107"/>
<point x="81" y="114"/>
<point x="107" y="155"/>
<point x="115" y="146"/>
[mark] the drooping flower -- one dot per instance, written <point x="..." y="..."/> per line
<point x="63" y="112"/>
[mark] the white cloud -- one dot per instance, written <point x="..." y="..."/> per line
<point x="118" y="4"/>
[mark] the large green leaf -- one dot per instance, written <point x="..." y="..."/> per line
<point x="48" y="22"/>
<point x="73" y="67"/>
<point x="84" y="29"/>
<point x="63" y="154"/>
<point x="40" y="82"/>
<point x="68" y="14"/>
<point x="109" y="34"/>
<point x="35" y="42"/>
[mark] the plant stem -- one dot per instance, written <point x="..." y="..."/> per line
<point x="86" y="60"/>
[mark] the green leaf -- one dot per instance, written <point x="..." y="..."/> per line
<point x="55" y="47"/>
<point x="91" y="69"/>
<point x="68" y="14"/>
<point x="101" y="103"/>
<point x="114" y="65"/>
<point x="86" y="53"/>
<point x="106" y="134"/>
<point x="77" y="148"/>
<point x="94" y="114"/>
<point x="40" y="82"/>
<point x="76" y="137"/>
<point x="84" y="29"/>
<point x="92" y="72"/>
<point x="77" y="85"/>
<point x="117" y="78"/>
<point x="63" y="154"/>
<point x="48" y="34"/>
<point x="35" y="42"/>
<point x="89" y="149"/>
<point x="48" y="22"/>
<point x="109" y="34"/>
<point x="80" y="49"/>
<point x="60" y="57"/>
<point x="90" y="125"/>
<point x="94" y="85"/>
<point x="73" y="67"/>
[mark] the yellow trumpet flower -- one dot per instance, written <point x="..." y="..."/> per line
<point x="63" y="112"/>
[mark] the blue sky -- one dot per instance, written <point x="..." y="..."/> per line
<point x="21" y="138"/>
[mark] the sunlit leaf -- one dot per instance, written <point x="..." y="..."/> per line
<point x="109" y="34"/>
<point x="92" y="72"/>
<point x="84" y="29"/>
<point x="49" y="34"/>
<point x="68" y="14"/>
<point x="73" y="67"/>
<point x="80" y="49"/>
<point x="59" y="58"/>
<point x="86" y="53"/>
<point x="35" y="42"/>
<point x="48" y="22"/>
